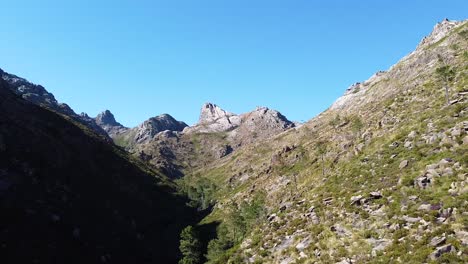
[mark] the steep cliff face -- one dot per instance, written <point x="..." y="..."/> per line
<point x="67" y="196"/>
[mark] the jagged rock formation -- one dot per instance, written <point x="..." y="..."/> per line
<point x="154" y="125"/>
<point x="38" y="95"/>
<point x="106" y="121"/>
<point x="217" y="134"/>
<point x="211" y="113"/>
<point x="245" y="128"/>
<point x="67" y="196"/>
<point x="440" y="31"/>
<point x="146" y="131"/>
<point x="214" y="119"/>
<point x="262" y="123"/>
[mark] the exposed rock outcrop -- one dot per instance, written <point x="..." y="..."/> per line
<point x="245" y="128"/>
<point x="364" y="93"/>
<point x="148" y="129"/>
<point x="145" y="132"/>
<point x="261" y="123"/>
<point x="214" y="119"/>
<point x="106" y="121"/>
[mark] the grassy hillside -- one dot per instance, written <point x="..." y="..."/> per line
<point x="379" y="177"/>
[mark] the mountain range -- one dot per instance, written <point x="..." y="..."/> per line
<point x="381" y="176"/>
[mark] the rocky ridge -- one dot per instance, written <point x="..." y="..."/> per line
<point x="218" y="134"/>
<point x="38" y="95"/>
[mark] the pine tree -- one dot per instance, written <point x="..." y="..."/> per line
<point x="189" y="246"/>
<point x="445" y="74"/>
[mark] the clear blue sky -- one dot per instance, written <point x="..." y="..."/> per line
<point x="143" y="58"/>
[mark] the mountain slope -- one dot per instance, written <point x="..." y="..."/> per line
<point x="67" y="196"/>
<point x="38" y="95"/>
<point x="381" y="173"/>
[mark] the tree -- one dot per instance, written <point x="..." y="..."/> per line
<point x="357" y="125"/>
<point x="445" y="74"/>
<point x="189" y="246"/>
<point x="321" y="151"/>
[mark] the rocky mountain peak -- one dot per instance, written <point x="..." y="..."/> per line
<point x="440" y="31"/>
<point x="266" y="120"/>
<point x="106" y="118"/>
<point x="211" y="112"/>
<point x="106" y="121"/>
<point x="148" y="129"/>
<point x="214" y="119"/>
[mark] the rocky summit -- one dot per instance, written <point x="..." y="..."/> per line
<point x="214" y="119"/>
<point x="146" y="131"/>
<point x="106" y="121"/>
<point x="154" y="125"/>
<point x="381" y="176"/>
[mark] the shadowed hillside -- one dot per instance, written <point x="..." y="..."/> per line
<point x="66" y="196"/>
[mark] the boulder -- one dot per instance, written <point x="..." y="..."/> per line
<point x="447" y="172"/>
<point x="376" y="195"/>
<point x="465" y="140"/>
<point x="408" y="144"/>
<point x="409" y="219"/>
<point x="422" y="181"/>
<point x="462" y="236"/>
<point x="424" y="207"/>
<point x="442" y="250"/>
<point x="378" y="245"/>
<point x="403" y="164"/>
<point x="356" y="200"/>
<point x="303" y="245"/>
<point x="437" y="241"/>
<point x="412" y="135"/>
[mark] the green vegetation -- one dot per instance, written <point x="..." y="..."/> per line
<point x="200" y="190"/>
<point x="445" y="74"/>
<point x="239" y="221"/>
<point x="189" y="246"/>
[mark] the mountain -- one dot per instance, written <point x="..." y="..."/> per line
<point x="217" y="134"/>
<point x="381" y="176"/>
<point x="38" y="95"/>
<point x="106" y="121"/>
<point x="69" y="196"/>
<point x="381" y="173"/>
<point x="147" y="130"/>
<point x="214" y="119"/>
